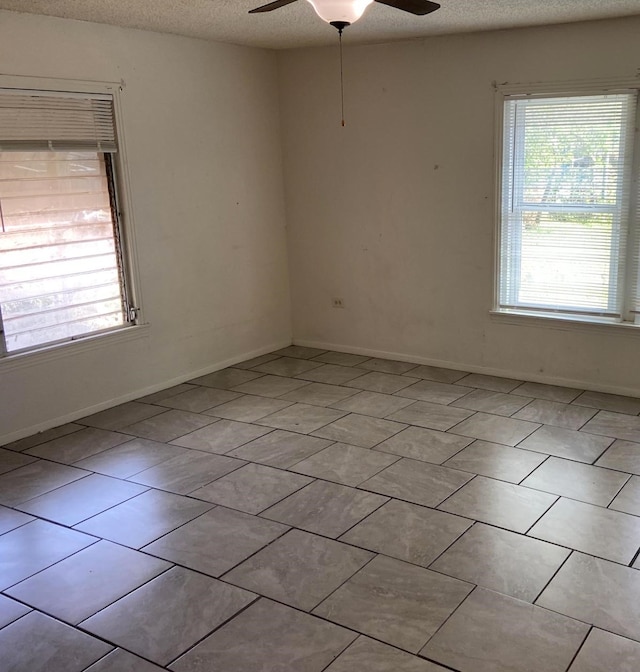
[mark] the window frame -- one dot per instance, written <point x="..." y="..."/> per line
<point x="122" y="212"/>
<point x="558" y="319"/>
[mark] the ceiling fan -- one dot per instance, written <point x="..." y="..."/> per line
<point x="342" y="13"/>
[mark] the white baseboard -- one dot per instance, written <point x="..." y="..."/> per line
<point x="136" y="394"/>
<point x="471" y="368"/>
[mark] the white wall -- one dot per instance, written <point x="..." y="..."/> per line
<point x="201" y="124"/>
<point x="395" y="212"/>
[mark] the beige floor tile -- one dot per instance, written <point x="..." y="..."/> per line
<point x="384" y="383"/>
<point x="255" y="361"/>
<point x="372" y="403"/>
<point x="130" y="458"/>
<point x="493" y="383"/>
<point x="32" y="480"/>
<point x="270" y="386"/>
<point x="79" y="445"/>
<point x="497" y="461"/>
<point x="216" y="541"/>
<point x="199" y="399"/>
<point x="367" y="654"/>
<point x="221" y="437"/>
<point x="340" y="358"/>
<point x="605" y="652"/>
<point x="503" y="561"/>
<point x="168" y="615"/>
<point x="10" y="519"/>
<point x="577" y="481"/>
<point x="325" y="508"/>
<point x="120" y="416"/>
<point x="556" y="414"/>
<point x="280" y="449"/>
<point x="320" y="394"/>
<point x="301" y="418"/>
<point x="609" y="402"/>
<point x="81" y="499"/>
<point x="169" y="425"/>
<point x="597" y="592"/>
<point x="497" y="403"/>
<point x="123" y="661"/>
<point x="249" y="408"/>
<point x="288" y="639"/>
<point x="628" y="499"/>
<point x="387" y="366"/>
<point x="437" y="374"/>
<point x="56" y="646"/>
<point x="495" y="429"/>
<point x="433" y="392"/>
<point x="286" y="366"/>
<point x="360" y="430"/>
<point x="426" y="445"/>
<point x="430" y="416"/>
<point x="252" y="488"/>
<point x="342" y="463"/>
<point x="417" y="482"/>
<point x="395" y="602"/>
<point x="43" y="437"/>
<point x="164" y="394"/>
<point x="144" y="518"/>
<point x="494" y="632"/>
<point x="331" y="374"/>
<point x="497" y="503"/>
<point x="300" y="352"/>
<point x="602" y="532"/>
<point x="11" y="611"/>
<point x="187" y="472"/>
<point x="34" y="547"/>
<point x="616" y="425"/>
<point x="407" y="532"/>
<point x="623" y="456"/>
<point x="226" y="378"/>
<point x="566" y="443"/>
<point x="10" y="460"/>
<point x="299" y="569"/>
<point x="88" y="581"/>
<point x="564" y="395"/>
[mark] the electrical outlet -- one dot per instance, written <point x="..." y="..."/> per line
<point x="337" y="302"/>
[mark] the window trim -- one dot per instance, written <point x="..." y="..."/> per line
<point x="123" y="211"/>
<point x="509" y="90"/>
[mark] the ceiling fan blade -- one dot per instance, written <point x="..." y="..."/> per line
<point x="271" y="6"/>
<point x="419" y="7"/>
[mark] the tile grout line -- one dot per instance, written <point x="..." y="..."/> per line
<point x="474" y="588"/>
<point x="573" y="660"/>
<point x="218" y="627"/>
<point x="553" y="576"/>
<point x="542" y="515"/>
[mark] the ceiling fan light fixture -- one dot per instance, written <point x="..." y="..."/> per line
<point x="340" y="11"/>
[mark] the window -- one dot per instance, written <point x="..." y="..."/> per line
<point x="569" y="243"/>
<point x="62" y="268"/>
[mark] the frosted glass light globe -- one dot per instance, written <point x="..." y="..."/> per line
<point x="348" y="11"/>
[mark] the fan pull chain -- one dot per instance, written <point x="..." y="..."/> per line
<point x="341" y="80"/>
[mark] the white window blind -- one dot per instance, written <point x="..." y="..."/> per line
<point x="62" y="270"/>
<point x="38" y="121"/>
<point x="569" y="236"/>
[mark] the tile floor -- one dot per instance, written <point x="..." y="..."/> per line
<point x="312" y="511"/>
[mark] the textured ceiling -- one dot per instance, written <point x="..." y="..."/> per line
<point x="297" y="25"/>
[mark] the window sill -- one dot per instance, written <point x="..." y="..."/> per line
<point x="72" y="348"/>
<point x="566" y="323"/>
